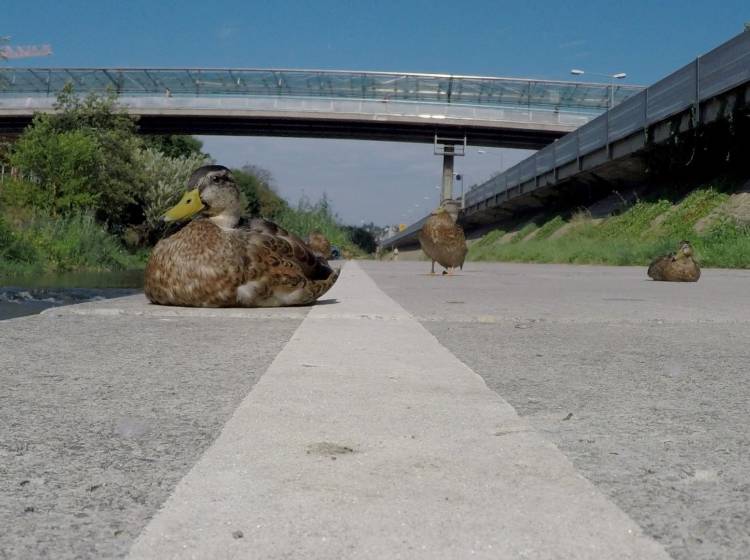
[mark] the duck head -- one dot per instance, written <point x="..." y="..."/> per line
<point x="450" y="207"/>
<point x="213" y="192"/>
<point x="685" y="250"/>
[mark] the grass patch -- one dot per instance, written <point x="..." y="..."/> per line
<point x="634" y="222"/>
<point x="523" y="232"/>
<point x="725" y="245"/>
<point x="489" y="239"/>
<point x="549" y="228"/>
<point x="630" y="238"/>
<point x="698" y="204"/>
<point x="60" y="244"/>
<point x="308" y="217"/>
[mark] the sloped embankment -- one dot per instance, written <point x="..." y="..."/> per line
<point x="631" y="231"/>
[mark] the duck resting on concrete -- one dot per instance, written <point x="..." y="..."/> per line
<point x="443" y="241"/>
<point x="319" y="244"/>
<point x="676" y="267"/>
<point x="221" y="259"/>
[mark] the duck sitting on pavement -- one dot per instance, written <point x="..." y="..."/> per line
<point x="676" y="267"/>
<point x="221" y="259"/>
<point x="319" y="244"/>
<point x="443" y="241"/>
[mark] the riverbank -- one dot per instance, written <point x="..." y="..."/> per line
<point x="32" y="244"/>
<point x="27" y="295"/>
<point x="631" y="228"/>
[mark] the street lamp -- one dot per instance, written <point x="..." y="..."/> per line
<point x="612" y="78"/>
<point x="460" y="177"/>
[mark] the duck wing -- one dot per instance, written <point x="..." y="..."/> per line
<point x="658" y="268"/>
<point x="287" y="245"/>
<point x="275" y="276"/>
<point x="429" y="238"/>
<point x="454" y="246"/>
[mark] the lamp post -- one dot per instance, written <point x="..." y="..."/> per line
<point x="460" y="177"/>
<point x="612" y="78"/>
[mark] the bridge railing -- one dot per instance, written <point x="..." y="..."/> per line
<point x="361" y="108"/>
<point x="444" y="89"/>
<point x="724" y="68"/>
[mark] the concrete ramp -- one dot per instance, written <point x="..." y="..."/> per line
<point x="366" y="438"/>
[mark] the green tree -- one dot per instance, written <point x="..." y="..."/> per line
<point x="82" y="158"/>
<point x="256" y="186"/>
<point x="59" y="166"/>
<point x="175" y="145"/>
<point x="165" y="180"/>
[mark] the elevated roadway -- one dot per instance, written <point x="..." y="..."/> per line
<point x="697" y="112"/>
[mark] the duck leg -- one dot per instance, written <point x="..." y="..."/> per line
<point x="432" y="270"/>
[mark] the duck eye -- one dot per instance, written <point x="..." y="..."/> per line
<point x="215" y="178"/>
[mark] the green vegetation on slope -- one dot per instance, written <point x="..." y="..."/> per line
<point x="62" y="243"/>
<point x="634" y="237"/>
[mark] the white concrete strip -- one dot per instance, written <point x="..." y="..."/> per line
<point x="138" y="306"/>
<point x="368" y="439"/>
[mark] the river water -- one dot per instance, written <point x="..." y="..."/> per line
<point x="27" y="295"/>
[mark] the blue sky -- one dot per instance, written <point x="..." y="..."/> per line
<point x="646" y="39"/>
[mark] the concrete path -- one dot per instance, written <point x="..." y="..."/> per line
<point x="105" y="406"/>
<point x="366" y="438"/>
<point x="643" y="385"/>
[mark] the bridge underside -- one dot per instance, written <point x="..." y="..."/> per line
<point x="417" y="130"/>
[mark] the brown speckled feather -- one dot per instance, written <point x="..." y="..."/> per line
<point x="443" y="240"/>
<point x="319" y="244"/>
<point x="259" y="265"/>
<point x="287" y="244"/>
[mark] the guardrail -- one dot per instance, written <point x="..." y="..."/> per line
<point x="444" y="89"/>
<point x="724" y="68"/>
<point x="357" y="108"/>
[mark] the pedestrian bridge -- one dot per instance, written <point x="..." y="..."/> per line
<point x="486" y="111"/>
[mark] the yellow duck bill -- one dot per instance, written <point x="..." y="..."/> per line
<point x="189" y="205"/>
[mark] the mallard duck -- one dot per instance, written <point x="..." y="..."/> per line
<point x="443" y="241"/>
<point x="319" y="244"/>
<point x="221" y="259"/>
<point x="676" y="267"/>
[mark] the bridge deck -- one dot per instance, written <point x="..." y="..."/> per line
<point x="315" y="103"/>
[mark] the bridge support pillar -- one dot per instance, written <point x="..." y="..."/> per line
<point x="449" y="148"/>
<point x="447" y="190"/>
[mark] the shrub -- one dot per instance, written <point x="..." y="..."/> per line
<point x="82" y="158"/>
<point x="256" y="186"/>
<point x="164" y="182"/>
<point x="309" y="217"/>
<point x="72" y="242"/>
<point x="12" y="248"/>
